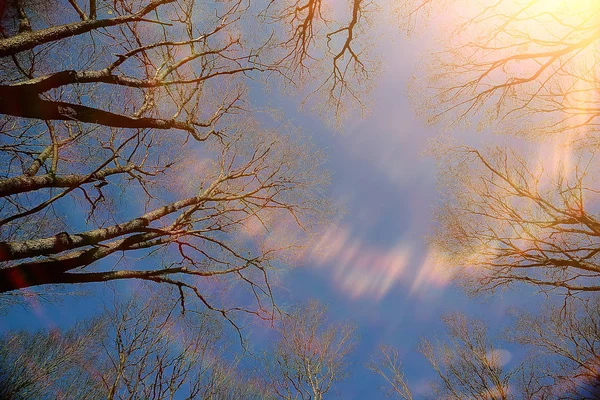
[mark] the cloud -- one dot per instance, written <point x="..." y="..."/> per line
<point x="361" y="269"/>
<point x="499" y="356"/>
<point x="431" y="273"/>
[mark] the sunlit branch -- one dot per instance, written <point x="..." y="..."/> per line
<point x="30" y="39"/>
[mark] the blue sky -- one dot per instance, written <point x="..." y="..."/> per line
<point x="382" y="174"/>
<point x="378" y="272"/>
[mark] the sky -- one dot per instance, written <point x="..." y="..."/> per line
<point x="377" y="271"/>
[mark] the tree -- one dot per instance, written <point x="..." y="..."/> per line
<point x="130" y="148"/>
<point x="153" y="353"/>
<point x="564" y="342"/>
<point x="136" y="350"/>
<point x="310" y="356"/>
<point x="532" y="66"/>
<point x="507" y="219"/>
<point x="530" y="69"/>
<point x="468" y="365"/>
<point x="143" y="348"/>
<point x="50" y="364"/>
<point x="292" y="45"/>
<point x="386" y="363"/>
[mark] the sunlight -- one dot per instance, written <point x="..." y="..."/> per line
<point x="528" y="64"/>
<point x="564" y="6"/>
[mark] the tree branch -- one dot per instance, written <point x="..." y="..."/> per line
<point x="30" y="39"/>
<point x="25" y="183"/>
<point x="34" y="107"/>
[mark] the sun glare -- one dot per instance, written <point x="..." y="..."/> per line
<point x="576" y="6"/>
<point x="551" y="19"/>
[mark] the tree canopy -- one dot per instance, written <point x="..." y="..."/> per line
<point x="520" y="211"/>
<point x="530" y="65"/>
<point x="131" y="148"/>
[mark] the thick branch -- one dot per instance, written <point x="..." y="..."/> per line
<point x="53" y="270"/>
<point x="42" y="84"/>
<point x="64" y="241"/>
<point x="34" y="107"/>
<point x="78" y="9"/>
<point x="39" y="161"/>
<point x="25" y="183"/>
<point x="28" y="40"/>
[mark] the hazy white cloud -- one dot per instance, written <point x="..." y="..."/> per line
<point x="500" y="356"/>
<point x="362" y="269"/>
<point x="431" y="274"/>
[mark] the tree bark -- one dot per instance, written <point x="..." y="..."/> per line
<point x="26" y="183"/>
<point x="29" y="105"/>
<point x="54" y="270"/>
<point x="29" y="39"/>
<point x="64" y="241"/>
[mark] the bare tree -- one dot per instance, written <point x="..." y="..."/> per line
<point x="136" y="350"/>
<point x="153" y="353"/>
<point x="48" y="364"/>
<point x="564" y="342"/>
<point x="310" y="355"/>
<point x="505" y="219"/>
<point x="530" y="65"/>
<point x="130" y="149"/>
<point x="167" y="50"/>
<point x="468" y="364"/>
<point x="531" y="68"/>
<point x="386" y="363"/>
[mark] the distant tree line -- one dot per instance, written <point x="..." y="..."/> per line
<point x="145" y="349"/>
